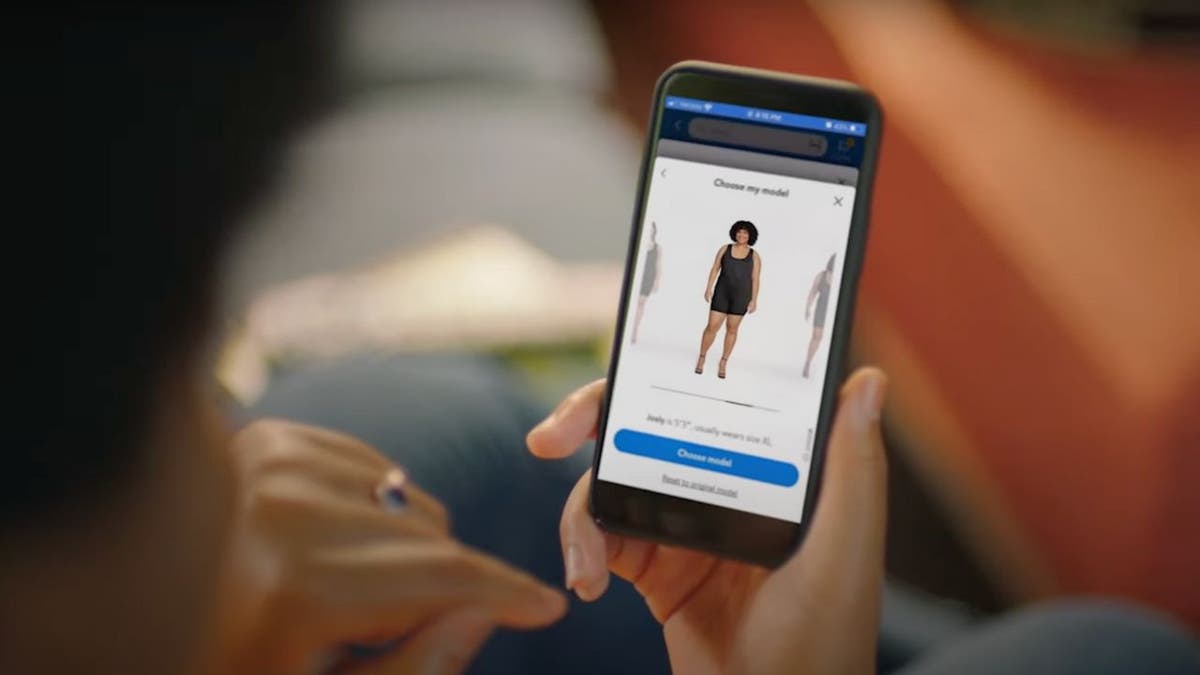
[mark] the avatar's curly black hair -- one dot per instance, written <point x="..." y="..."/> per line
<point x="748" y="227"/>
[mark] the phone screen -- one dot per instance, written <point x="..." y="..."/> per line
<point x="722" y="362"/>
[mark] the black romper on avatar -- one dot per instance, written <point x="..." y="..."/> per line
<point x="822" y="301"/>
<point x="734" y="286"/>
<point x="649" y="272"/>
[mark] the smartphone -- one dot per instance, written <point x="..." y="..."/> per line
<point x="747" y="241"/>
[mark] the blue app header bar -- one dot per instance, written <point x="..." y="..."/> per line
<point x="784" y="119"/>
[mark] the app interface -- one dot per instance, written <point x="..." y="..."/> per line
<point x="727" y="328"/>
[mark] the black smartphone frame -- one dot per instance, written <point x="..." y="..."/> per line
<point x="676" y="521"/>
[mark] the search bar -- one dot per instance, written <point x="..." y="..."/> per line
<point x="754" y="136"/>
